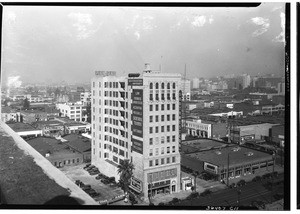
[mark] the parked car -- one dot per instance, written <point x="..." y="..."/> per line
<point x="86" y="166"/>
<point x="98" y="177"/>
<point x="79" y="183"/>
<point x="94" y="173"/>
<point x="241" y="183"/>
<point x="86" y="187"/>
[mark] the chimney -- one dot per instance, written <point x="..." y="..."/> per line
<point x="147" y="68"/>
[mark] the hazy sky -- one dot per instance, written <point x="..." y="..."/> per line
<point x="69" y="43"/>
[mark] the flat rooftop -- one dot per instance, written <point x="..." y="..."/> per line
<point x="48" y="122"/>
<point x="219" y="157"/>
<point x="78" y="142"/>
<point x="46" y="144"/>
<point x="204" y="144"/>
<point x="21" y="127"/>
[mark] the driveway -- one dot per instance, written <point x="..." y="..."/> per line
<point x="78" y="173"/>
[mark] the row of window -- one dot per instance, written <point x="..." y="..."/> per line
<point x="115" y="140"/>
<point x="162" y="118"/>
<point x="162" y="97"/>
<point x="162" y="161"/>
<point x="162" y="107"/>
<point x="162" y="129"/>
<point x="162" y="140"/>
<point x="162" y="151"/>
<point x="67" y="162"/>
<point x="162" y="85"/>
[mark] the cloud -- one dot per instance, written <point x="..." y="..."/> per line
<point x="281" y="36"/>
<point x="137" y="35"/>
<point x="276" y="8"/>
<point x="199" y="21"/>
<point x="14" y="82"/>
<point x="82" y="23"/>
<point x="264" y="24"/>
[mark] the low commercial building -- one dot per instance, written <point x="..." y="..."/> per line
<point x="246" y="133"/>
<point x="206" y="129"/>
<point x="277" y="135"/>
<point x="33" y="115"/>
<point x="51" y="128"/>
<point x="56" y="151"/>
<point x="80" y="144"/>
<point x="9" y="114"/>
<point x="73" y="111"/>
<point x="25" y="130"/>
<point x="232" y="161"/>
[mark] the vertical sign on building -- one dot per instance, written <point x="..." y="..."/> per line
<point x="137" y="119"/>
<point x="180" y="117"/>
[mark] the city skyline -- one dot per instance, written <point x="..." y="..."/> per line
<point x="67" y="43"/>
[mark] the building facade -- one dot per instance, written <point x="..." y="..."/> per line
<point x="73" y="111"/>
<point x="85" y="98"/>
<point x="142" y="124"/>
<point x="203" y="129"/>
<point x="185" y="87"/>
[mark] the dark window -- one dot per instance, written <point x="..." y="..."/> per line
<point x="151" y="85"/>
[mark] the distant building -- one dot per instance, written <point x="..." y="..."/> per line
<point x="195" y="83"/>
<point x="50" y="128"/>
<point x="277" y="135"/>
<point x="230" y="114"/>
<point x="281" y="88"/>
<point x="25" y="130"/>
<point x="73" y="111"/>
<point x="9" y="114"/>
<point x="185" y="87"/>
<point x="33" y="115"/>
<point x="85" y="98"/>
<point x="204" y="129"/>
<point x="246" y="80"/>
<point x="245" y="133"/>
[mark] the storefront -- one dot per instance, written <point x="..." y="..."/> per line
<point x="162" y="187"/>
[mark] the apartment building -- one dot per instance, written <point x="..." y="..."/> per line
<point x="73" y="111"/>
<point x="85" y="98"/>
<point x="137" y="118"/>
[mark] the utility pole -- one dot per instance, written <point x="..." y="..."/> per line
<point x="228" y="170"/>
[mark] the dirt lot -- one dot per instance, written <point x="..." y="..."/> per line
<point x="78" y="173"/>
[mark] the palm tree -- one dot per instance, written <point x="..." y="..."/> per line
<point x="125" y="169"/>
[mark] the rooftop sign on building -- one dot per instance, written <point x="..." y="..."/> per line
<point x="105" y="73"/>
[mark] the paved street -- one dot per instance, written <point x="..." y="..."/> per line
<point x="229" y="197"/>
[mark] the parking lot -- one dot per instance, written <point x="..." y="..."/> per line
<point x="78" y="173"/>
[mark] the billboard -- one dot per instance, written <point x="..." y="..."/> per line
<point x="137" y="145"/>
<point x="135" y="82"/>
<point x="137" y="112"/>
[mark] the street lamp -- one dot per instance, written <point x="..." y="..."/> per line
<point x="273" y="158"/>
<point x="228" y="169"/>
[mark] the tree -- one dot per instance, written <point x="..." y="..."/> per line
<point x="26" y="103"/>
<point x="125" y="169"/>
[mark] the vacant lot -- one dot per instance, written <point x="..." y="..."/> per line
<point x="78" y="173"/>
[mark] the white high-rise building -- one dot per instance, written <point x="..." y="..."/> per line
<point x="185" y="87"/>
<point x="195" y="83"/>
<point x="137" y="118"/>
<point x="246" y="80"/>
